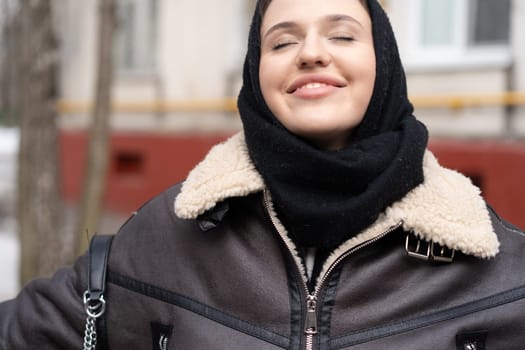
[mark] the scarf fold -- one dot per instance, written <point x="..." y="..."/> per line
<point x="325" y="197"/>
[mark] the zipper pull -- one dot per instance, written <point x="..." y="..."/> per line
<point x="310" y="326"/>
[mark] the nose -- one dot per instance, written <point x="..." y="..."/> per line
<point x="313" y="53"/>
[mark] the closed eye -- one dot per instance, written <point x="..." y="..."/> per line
<point x="342" y="38"/>
<point x="279" y="46"/>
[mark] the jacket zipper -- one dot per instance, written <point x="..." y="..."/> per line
<point x="310" y="325"/>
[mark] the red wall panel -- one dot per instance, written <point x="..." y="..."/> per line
<point x="142" y="165"/>
<point x="498" y="167"/>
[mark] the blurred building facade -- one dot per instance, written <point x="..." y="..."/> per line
<point x="178" y="70"/>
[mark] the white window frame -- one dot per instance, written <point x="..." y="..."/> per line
<point x="460" y="54"/>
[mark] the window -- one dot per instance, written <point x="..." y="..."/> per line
<point x="490" y="22"/>
<point x="437" y="23"/>
<point x="129" y="163"/>
<point x="135" y="37"/>
<point x="456" y="32"/>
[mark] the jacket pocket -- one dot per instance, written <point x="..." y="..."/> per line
<point x="160" y="335"/>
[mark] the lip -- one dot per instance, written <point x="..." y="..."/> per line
<point x="315" y="78"/>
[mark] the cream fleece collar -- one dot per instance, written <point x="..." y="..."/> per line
<point x="447" y="208"/>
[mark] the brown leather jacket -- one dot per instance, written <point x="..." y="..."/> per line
<point x="207" y="265"/>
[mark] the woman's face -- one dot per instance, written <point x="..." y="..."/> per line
<point x="317" y="68"/>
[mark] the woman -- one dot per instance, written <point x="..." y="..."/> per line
<point x="326" y="224"/>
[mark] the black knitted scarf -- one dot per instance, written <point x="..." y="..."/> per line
<point x="325" y="197"/>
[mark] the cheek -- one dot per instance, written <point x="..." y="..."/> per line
<point x="367" y="74"/>
<point x="371" y="71"/>
<point x="270" y="82"/>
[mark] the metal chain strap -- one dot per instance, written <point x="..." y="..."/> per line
<point x="94" y="309"/>
<point x="90" y="334"/>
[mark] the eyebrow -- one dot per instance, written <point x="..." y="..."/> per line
<point x="329" y="18"/>
<point x="338" y="18"/>
<point x="278" y="26"/>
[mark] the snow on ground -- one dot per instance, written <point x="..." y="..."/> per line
<point x="9" y="140"/>
<point x="8" y="265"/>
<point x="9" y="251"/>
<point x="8" y="154"/>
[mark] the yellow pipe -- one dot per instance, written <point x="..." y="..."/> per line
<point x="462" y="101"/>
<point x="230" y="104"/>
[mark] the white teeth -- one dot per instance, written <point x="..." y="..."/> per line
<point x="312" y="86"/>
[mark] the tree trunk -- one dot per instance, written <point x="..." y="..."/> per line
<point x="92" y="200"/>
<point x="38" y="204"/>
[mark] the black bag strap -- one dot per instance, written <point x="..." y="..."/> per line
<point x="94" y="302"/>
<point x="98" y="263"/>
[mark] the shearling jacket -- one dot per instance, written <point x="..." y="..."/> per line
<point x="208" y="265"/>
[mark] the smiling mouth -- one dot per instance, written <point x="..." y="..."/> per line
<point x="310" y="83"/>
<point x="312" y="86"/>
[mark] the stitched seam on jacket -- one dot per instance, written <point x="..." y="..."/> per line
<point x="402" y="326"/>
<point x="505" y="224"/>
<point x="198" y="308"/>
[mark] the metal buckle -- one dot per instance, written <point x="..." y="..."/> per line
<point x="94" y="307"/>
<point x="442" y="254"/>
<point x="429" y="251"/>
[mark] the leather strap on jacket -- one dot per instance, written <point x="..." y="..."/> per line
<point x="94" y="302"/>
<point x="98" y="262"/>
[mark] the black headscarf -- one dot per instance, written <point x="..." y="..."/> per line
<point x="326" y="197"/>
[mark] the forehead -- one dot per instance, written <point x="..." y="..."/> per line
<point x="308" y="11"/>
